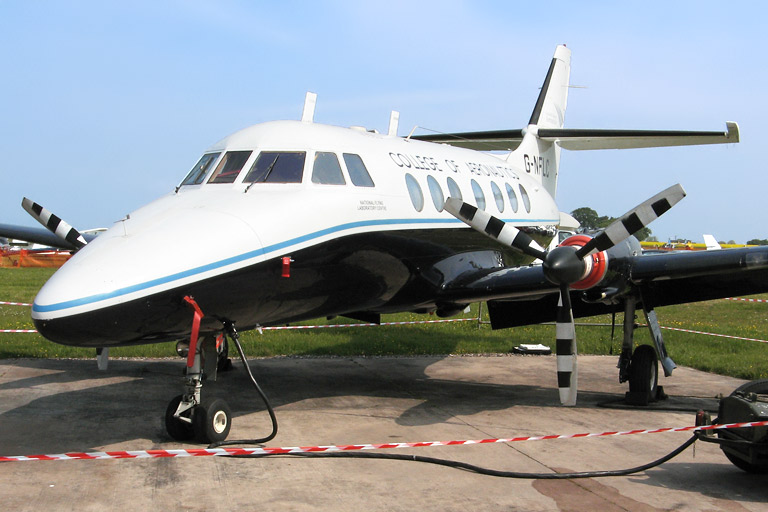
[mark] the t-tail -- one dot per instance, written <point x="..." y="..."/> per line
<point x="541" y="158"/>
<point x="536" y="148"/>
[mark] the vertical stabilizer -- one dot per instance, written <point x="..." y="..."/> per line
<point x="542" y="157"/>
<point x="549" y="111"/>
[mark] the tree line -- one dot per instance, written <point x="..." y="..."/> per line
<point x="590" y="220"/>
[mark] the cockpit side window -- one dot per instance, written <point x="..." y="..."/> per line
<point x="198" y="172"/>
<point x="229" y="167"/>
<point x="277" y="167"/>
<point x="327" y="170"/>
<point x="357" y="171"/>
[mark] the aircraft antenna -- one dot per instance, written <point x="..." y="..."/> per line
<point x="310" y="100"/>
<point x="394" y="121"/>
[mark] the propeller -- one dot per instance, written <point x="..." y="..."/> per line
<point x="566" y="265"/>
<point x="54" y="223"/>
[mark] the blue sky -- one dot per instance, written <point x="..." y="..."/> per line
<point x="105" y="106"/>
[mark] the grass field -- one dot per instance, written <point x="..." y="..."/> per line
<point x="738" y="358"/>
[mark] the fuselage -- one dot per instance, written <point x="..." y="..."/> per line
<point x="289" y="220"/>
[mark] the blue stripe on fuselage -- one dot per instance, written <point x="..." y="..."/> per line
<point x="246" y="256"/>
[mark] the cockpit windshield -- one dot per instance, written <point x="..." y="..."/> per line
<point x="198" y="172"/>
<point x="230" y="166"/>
<point x="277" y="167"/>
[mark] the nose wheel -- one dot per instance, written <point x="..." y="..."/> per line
<point x="208" y="422"/>
<point x="211" y="421"/>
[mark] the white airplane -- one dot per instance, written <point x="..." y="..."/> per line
<point x="293" y="220"/>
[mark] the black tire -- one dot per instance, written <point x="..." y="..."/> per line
<point x="755" y="469"/>
<point x="644" y="374"/>
<point x="211" y="421"/>
<point x="176" y="428"/>
<point x="756" y="386"/>
<point x="761" y="388"/>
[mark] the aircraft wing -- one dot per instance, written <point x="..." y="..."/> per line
<point x="39" y="236"/>
<point x="523" y="296"/>
<point x="578" y="139"/>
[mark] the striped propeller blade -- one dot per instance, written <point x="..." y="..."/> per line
<point x="54" y="223"/>
<point x="494" y="228"/>
<point x="633" y="221"/>
<point x="567" y="371"/>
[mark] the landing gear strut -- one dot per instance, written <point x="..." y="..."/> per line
<point x="640" y="367"/>
<point x="189" y="416"/>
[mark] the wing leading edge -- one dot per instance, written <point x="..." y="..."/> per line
<point x="523" y="296"/>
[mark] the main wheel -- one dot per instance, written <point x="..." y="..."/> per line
<point x="176" y="428"/>
<point x="211" y="421"/>
<point x="644" y="374"/>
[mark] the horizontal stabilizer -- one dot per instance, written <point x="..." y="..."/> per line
<point x="494" y="140"/>
<point x="578" y="139"/>
<point x="575" y="139"/>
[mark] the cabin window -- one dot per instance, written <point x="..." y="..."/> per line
<point x="479" y="196"/>
<point x="436" y="192"/>
<point x="497" y="196"/>
<point x="525" y="198"/>
<point x="277" y="167"/>
<point x="453" y="189"/>
<point x="230" y="166"/>
<point x="512" y="197"/>
<point x="326" y="170"/>
<point x="198" y="172"/>
<point x="414" y="190"/>
<point x="358" y="173"/>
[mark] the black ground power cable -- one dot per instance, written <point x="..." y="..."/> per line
<point x="236" y="338"/>
<point x="478" y="469"/>
<point x="418" y="458"/>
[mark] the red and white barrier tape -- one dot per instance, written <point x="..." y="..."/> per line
<point x="293" y="327"/>
<point x="3" y="303"/>
<point x="207" y="452"/>
<point x="382" y="324"/>
<point x="712" y="334"/>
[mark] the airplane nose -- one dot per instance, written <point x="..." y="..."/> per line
<point x="127" y="286"/>
<point x="136" y="322"/>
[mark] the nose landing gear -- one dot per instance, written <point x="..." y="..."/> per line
<point x="189" y="416"/>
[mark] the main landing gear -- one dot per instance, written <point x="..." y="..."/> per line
<point x="640" y="367"/>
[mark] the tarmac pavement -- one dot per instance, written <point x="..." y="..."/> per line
<point x="59" y="406"/>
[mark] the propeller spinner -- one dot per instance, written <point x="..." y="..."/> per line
<point x="567" y="265"/>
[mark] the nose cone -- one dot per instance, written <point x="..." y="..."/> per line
<point x="126" y="287"/>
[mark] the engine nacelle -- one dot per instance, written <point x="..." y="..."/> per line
<point x="595" y="266"/>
